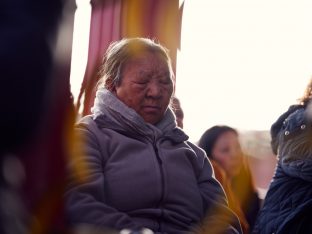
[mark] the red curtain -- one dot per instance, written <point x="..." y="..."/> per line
<point x="114" y="19"/>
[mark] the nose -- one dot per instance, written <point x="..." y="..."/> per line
<point x="154" y="90"/>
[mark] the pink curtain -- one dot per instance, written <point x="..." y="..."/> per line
<point x="114" y="19"/>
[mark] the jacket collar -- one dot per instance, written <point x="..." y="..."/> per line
<point x="109" y="112"/>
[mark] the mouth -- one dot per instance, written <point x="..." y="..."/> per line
<point x="151" y="108"/>
<point x="237" y="165"/>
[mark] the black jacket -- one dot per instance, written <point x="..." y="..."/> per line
<point x="288" y="204"/>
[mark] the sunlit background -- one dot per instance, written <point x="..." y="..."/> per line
<point x="241" y="62"/>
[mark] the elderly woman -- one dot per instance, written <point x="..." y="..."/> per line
<point x="137" y="170"/>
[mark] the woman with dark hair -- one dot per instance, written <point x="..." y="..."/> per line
<point x="222" y="146"/>
<point x="288" y="204"/>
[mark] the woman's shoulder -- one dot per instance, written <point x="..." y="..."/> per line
<point x="199" y="151"/>
<point x="87" y="126"/>
<point x="85" y="121"/>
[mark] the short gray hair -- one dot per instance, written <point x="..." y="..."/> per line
<point x="120" y="52"/>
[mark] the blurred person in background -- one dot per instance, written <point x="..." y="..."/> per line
<point x="178" y="111"/>
<point x="222" y="146"/>
<point x="136" y="170"/>
<point x="288" y="204"/>
<point x="37" y="113"/>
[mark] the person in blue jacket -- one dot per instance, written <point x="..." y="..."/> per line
<point x="288" y="204"/>
<point x="134" y="169"/>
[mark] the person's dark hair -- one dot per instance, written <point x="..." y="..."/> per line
<point x="209" y="138"/>
<point x="120" y="52"/>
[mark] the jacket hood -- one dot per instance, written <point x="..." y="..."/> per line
<point x="109" y="112"/>
<point x="294" y="143"/>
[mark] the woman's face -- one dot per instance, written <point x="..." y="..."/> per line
<point x="146" y="86"/>
<point x="227" y="153"/>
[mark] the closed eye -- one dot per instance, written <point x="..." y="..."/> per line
<point x="140" y="85"/>
<point x="140" y="81"/>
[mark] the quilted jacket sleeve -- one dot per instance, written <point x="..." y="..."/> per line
<point x="85" y="198"/>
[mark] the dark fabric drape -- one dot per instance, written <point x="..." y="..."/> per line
<point x="115" y="19"/>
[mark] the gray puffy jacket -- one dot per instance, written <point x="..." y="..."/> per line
<point x="127" y="173"/>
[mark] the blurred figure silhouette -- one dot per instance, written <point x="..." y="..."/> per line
<point x="37" y="114"/>
<point x="288" y="204"/>
<point x="178" y="111"/>
<point x="222" y="146"/>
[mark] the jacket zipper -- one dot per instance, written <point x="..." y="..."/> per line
<point x="162" y="175"/>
